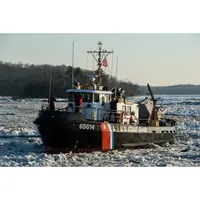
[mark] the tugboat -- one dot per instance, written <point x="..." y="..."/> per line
<point x="100" y="119"/>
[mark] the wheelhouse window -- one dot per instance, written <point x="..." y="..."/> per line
<point x="87" y="97"/>
<point x="96" y="98"/>
<point x="107" y="97"/>
<point x="71" y="96"/>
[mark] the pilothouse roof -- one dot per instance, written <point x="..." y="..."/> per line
<point x="88" y="91"/>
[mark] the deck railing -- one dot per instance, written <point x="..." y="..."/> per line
<point x="113" y="116"/>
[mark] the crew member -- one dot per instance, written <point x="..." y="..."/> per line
<point x="132" y="118"/>
<point x="78" y="103"/>
<point x="78" y="86"/>
<point x="120" y="116"/>
<point x="113" y="108"/>
<point x="52" y="103"/>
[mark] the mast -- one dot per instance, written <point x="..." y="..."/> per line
<point x="73" y="65"/>
<point x="101" y="55"/>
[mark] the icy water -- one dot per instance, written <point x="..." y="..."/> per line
<point x="16" y="118"/>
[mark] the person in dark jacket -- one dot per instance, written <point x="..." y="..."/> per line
<point x="113" y="107"/>
<point x="52" y="103"/>
<point x="132" y="118"/>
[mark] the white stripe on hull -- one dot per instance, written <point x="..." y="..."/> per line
<point x="142" y="129"/>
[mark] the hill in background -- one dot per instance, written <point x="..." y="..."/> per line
<point x="32" y="81"/>
<point x="173" y="90"/>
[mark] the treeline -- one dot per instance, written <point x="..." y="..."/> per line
<point x="32" y="81"/>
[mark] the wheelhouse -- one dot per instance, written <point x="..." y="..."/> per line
<point x="90" y="96"/>
<point x="96" y="103"/>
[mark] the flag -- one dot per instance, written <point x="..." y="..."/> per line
<point x="104" y="62"/>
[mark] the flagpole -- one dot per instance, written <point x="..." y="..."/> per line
<point x="116" y="78"/>
<point x="112" y="65"/>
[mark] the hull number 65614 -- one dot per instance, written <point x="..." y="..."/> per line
<point x="87" y="126"/>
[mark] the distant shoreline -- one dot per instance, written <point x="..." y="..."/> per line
<point x="186" y="89"/>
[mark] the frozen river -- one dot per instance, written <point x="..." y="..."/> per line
<point x="16" y="119"/>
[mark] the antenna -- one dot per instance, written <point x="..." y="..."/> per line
<point x="50" y="86"/>
<point x="116" y="77"/>
<point x="87" y="62"/>
<point x="73" y="65"/>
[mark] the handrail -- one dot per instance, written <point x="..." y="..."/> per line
<point x="112" y="113"/>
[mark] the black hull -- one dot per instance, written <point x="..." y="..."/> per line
<point x="59" y="134"/>
<point x="67" y="136"/>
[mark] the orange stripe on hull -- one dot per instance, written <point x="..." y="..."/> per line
<point x="105" y="136"/>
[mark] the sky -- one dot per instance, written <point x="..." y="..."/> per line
<point x="157" y="59"/>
